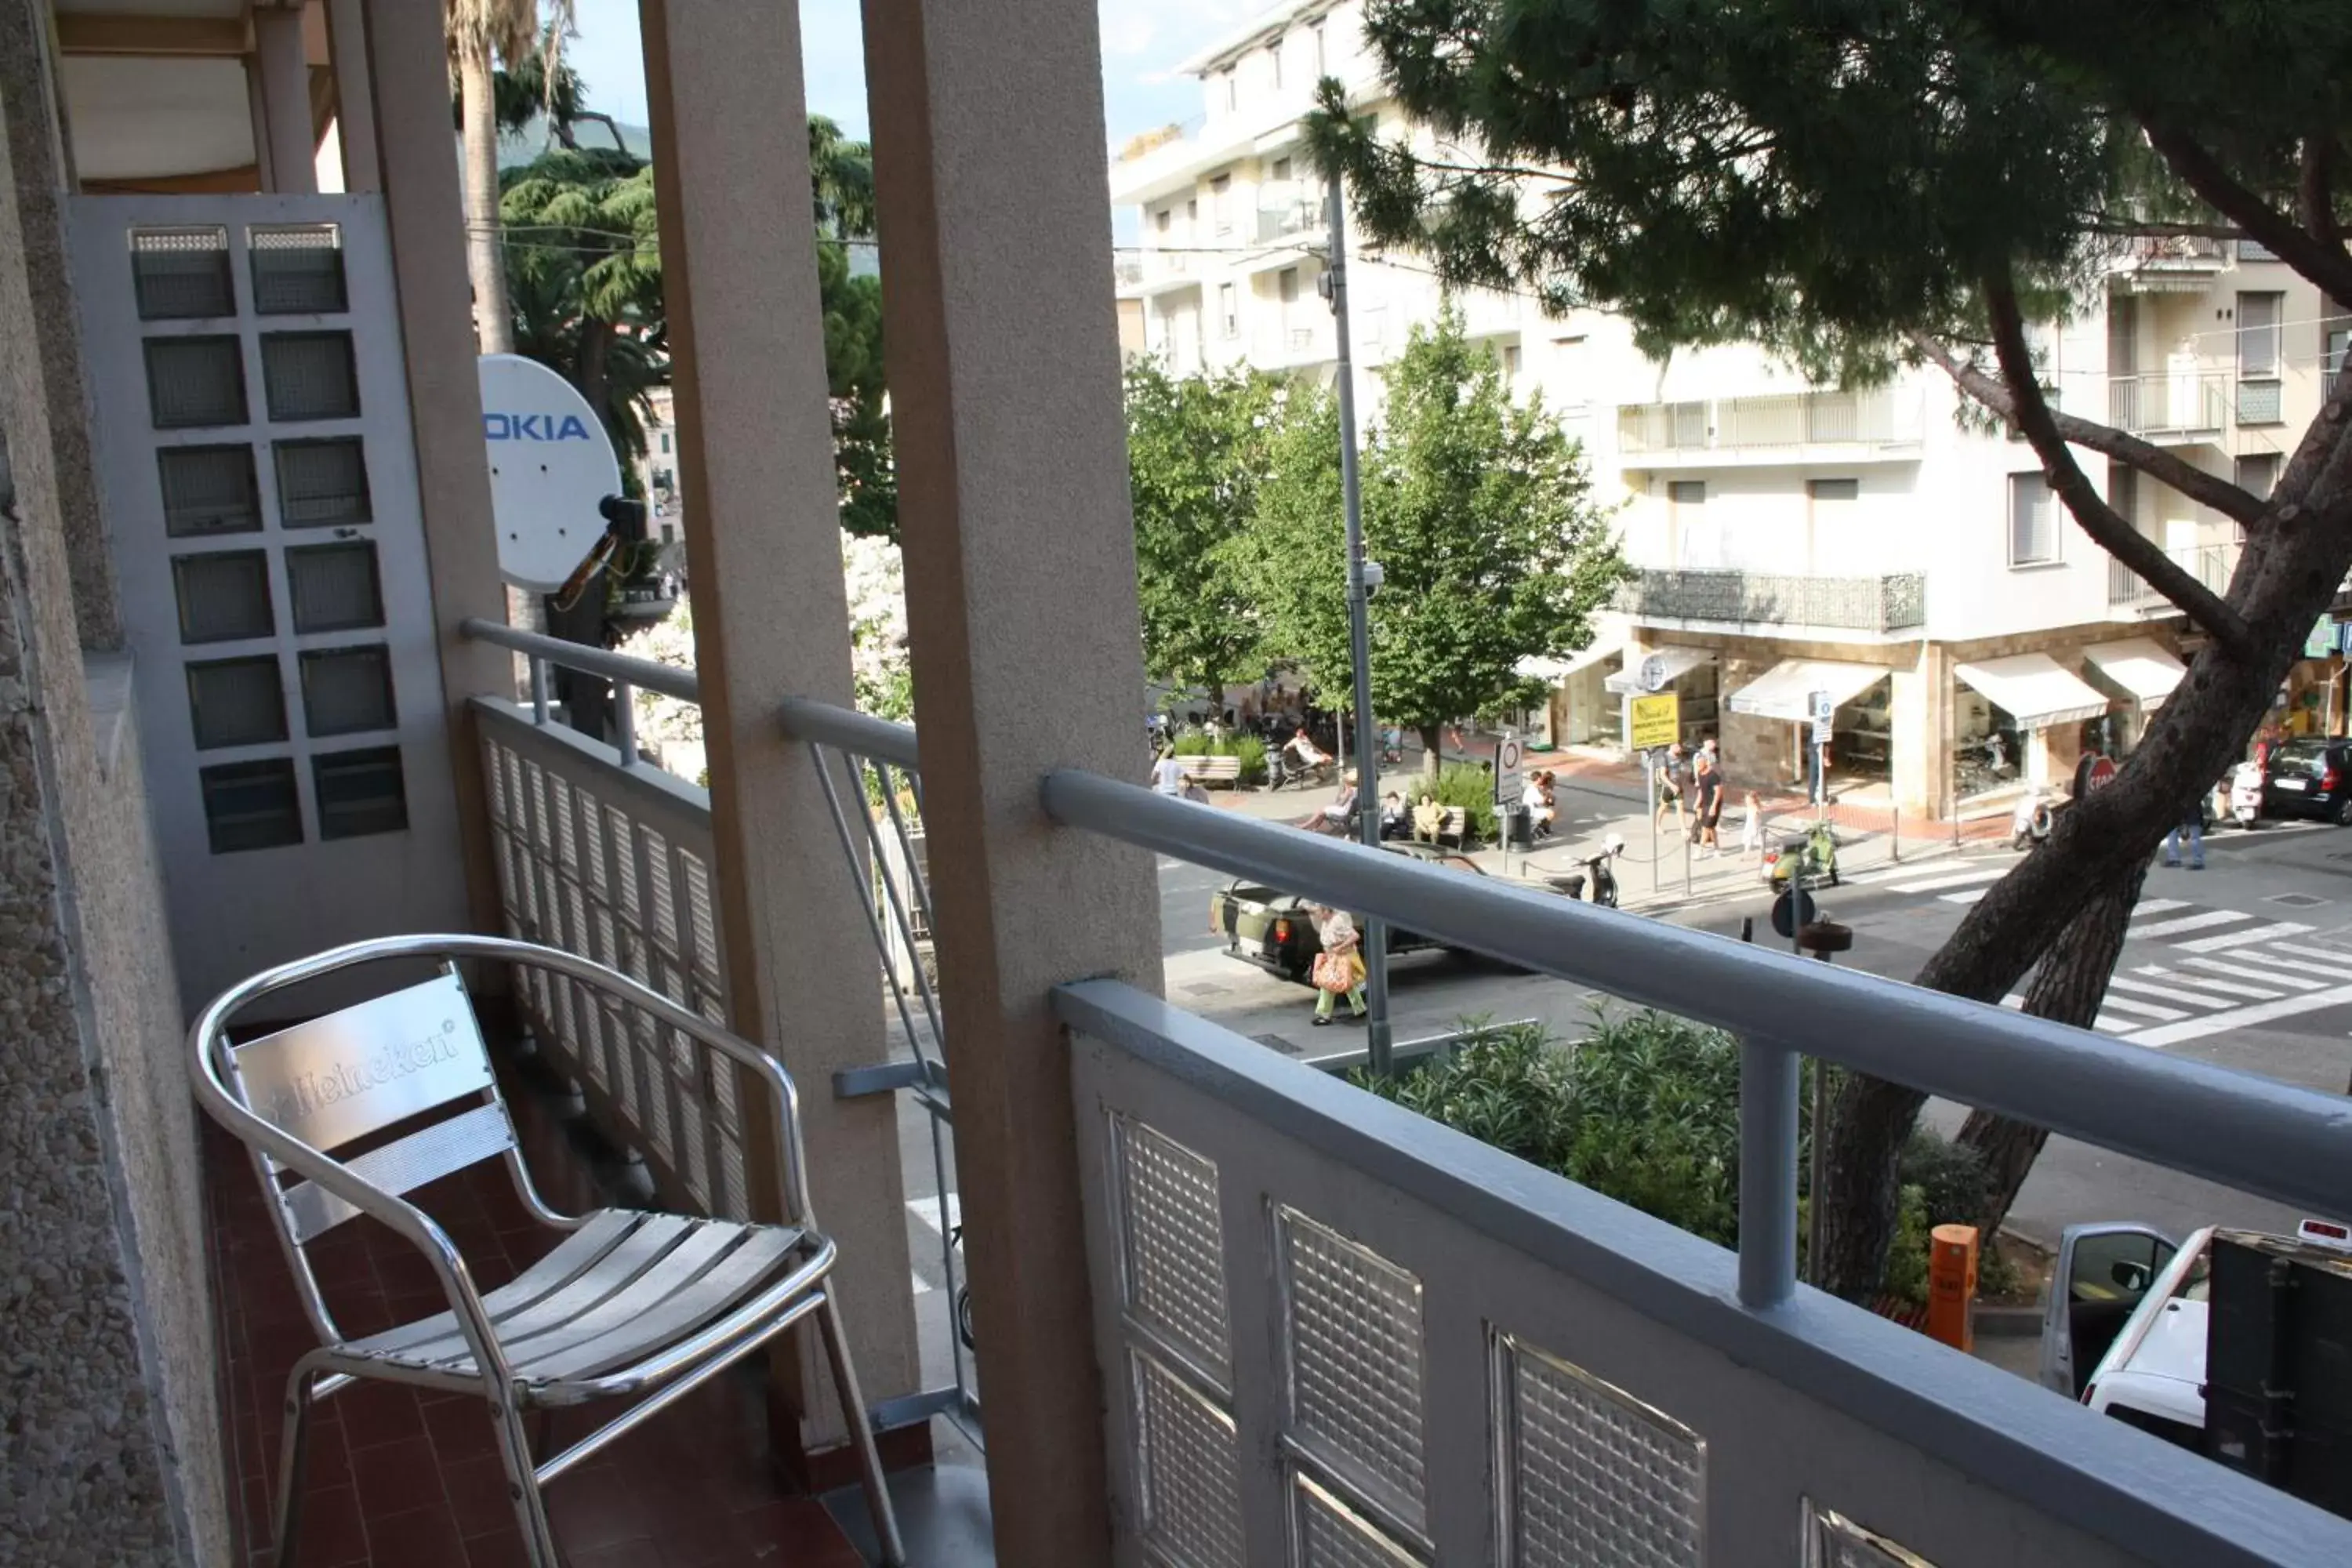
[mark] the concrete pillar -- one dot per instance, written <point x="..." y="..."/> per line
<point x="1014" y="508"/>
<point x="354" y="95"/>
<point x="410" y="93"/>
<point x="772" y="621"/>
<point x="284" y="75"/>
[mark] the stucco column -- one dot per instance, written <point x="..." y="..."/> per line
<point x="1004" y="386"/>
<point x="283" y="78"/>
<point x="771" y="620"/>
<point x="354" y="95"/>
<point x="410" y="75"/>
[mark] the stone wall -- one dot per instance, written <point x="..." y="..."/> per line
<point x="111" y="1452"/>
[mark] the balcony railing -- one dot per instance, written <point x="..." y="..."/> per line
<point x="2173" y="404"/>
<point x="1880" y="416"/>
<point x="2211" y="565"/>
<point x="1286" y="207"/>
<point x="1319" y="1316"/>
<point x="1898" y="601"/>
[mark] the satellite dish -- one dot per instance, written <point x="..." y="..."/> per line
<point x="551" y="466"/>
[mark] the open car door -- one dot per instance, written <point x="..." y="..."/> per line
<point x="2099" y="1277"/>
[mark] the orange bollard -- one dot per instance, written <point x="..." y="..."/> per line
<point x="1952" y="1285"/>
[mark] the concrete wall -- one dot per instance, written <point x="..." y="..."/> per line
<point x="111" y="1450"/>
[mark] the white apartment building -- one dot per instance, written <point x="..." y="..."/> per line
<point x="1789" y="538"/>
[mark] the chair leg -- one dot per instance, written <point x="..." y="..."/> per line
<point x="290" y="1462"/>
<point x="861" y="1432"/>
<point x="522" y="1486"/>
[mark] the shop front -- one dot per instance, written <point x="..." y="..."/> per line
<point x="1690" y="673"/>
<point x="2136" y="675"/>
<point x="1580" y="710"/>
<point x="2016" y="721"/>
<point x="1862" y="738"/>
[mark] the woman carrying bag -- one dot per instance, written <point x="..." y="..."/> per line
<point x="1339" y="968"/>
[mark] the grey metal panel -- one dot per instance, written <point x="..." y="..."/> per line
<point x="2279" y="1139"/>
<point x="1812" y="1398"/>
<point x="425" y="1155"/>
<point x="355" y="1071"/>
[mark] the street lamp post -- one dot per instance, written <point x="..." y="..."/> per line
<point x="1378" y="1039"/>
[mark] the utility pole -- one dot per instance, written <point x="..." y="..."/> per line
<point x="1360" y="637"/>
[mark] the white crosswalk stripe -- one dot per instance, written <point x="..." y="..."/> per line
<point x="2156" y="906"/>
<point x="2204" y="921"/>
<point x="2141" y="1009"/>
<point x="2241" y="970"/>
<point x="1949" y="879"/>
<point x="2241" y="938"/>
<point x="2168" y="992"/>
<point x="927" y="1210"/>
<point x="1971" y="897"/>
<point x="2206" y="983"/>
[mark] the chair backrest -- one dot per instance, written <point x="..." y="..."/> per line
<point x="335" y="1079"/>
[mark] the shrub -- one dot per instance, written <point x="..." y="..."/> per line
<point x="1252" y="752"/>
<point x="1950" y="1177"/>
<point x="1471" y="789"/>
<point x="1505" y="1085"/>
<point x="1197" y="743"/>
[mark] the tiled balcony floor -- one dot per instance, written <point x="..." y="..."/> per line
<point x="397" y="1480"/>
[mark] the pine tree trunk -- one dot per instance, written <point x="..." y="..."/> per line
<point x="484" y="253"/>
<point x="2069" y="987"/>
<point x="2288" y="574"/>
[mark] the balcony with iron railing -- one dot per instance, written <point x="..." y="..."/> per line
<point x="2211" y="565"/>
<point x="2182" y="405"/>
<point x="1879" y="424"/>
<point x="1896" y="602"/>
<point x="1331" y="1330"/>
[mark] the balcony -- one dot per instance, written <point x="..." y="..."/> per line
<point x="1732" y="599"/>
<point x="1287" y="209"/>
<point x="1305" y="338"/>
<point x="1880" y="424"/>
<point x="2170" y="264"/>
<point x="2189" y="406"/>
<point x="2211" y="565"/>
<point x="1165" y="271"/>
<point x="1481" y="1329"/>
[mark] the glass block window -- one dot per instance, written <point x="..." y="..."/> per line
<point x="1589" y="1473"/>
<point x="347" y="690"/>
<point x="360" y="793"/>
<point x="208" y="490"/>
<point x="251" y="805"/>
<point x="309" y="375"/>
<point x="323" y="483"/>
<point x="1352" y="1334"/>
<point x="334" y="587"/>
<point x="237" y="702"/>
<point x="224" y="595"/>
<point x="1833" y="1541"/>
<point x="194" y="382"/>
<point x="181" y="274"/>
<point x="299" y="269"/>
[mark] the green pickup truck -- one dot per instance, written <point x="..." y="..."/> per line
<point x="1275" y="931"/>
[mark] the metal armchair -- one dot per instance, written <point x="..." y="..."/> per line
<point x="627" y="1303"/>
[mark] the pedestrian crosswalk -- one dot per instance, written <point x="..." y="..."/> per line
<point x="2187" y="971"/>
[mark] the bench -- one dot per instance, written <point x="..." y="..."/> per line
<point x="1454" y="824"/>
<point x="1226" y="771"/>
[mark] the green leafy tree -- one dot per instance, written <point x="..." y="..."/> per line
<point x="1855" y="185"/>
<point x="1478" y="509"/>
<point x="1196" y="449"/>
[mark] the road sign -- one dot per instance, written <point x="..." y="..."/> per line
<point x="1792" y="909"/>
<point x="1657" y="720"/>
<point x="2101" y="770"/>
<point x="1824" y="712"/>
<point x="1510" y="754"/>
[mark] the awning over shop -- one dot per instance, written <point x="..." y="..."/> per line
<point x="2033" y="691"/>
<point x="1558" y="669"/>
<point x="1786" y="691"/>
<point x="1656" y="669"/>
<point x="2141" y="667"/>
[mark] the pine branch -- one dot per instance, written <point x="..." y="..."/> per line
<point x="2106" y="527"/>
<point x="2164" y="468"/>
<point x="2325" y="264"/>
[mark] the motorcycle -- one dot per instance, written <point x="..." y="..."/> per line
<point x="2246" y="794"/>
<point x="1597" y="874"/>
<point x="1813" y="854"/>
<point x="2035" y="816"/>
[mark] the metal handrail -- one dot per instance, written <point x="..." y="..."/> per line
<point x="823" y="725"/>
<point x="621" y="668"/>
<point x="2277" y="1140"/>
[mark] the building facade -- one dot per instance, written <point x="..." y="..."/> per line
<point x="1885" y="545"/>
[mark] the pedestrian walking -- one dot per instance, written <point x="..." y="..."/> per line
<point x="1670" y="789"/>
<point x="2192" y="828"/>
<point x="1707" y="780"/>
<point x="1751" y="831"/>
<point x="1339" y="968"/>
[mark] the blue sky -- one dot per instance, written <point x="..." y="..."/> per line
<point x="1141" y="40"/>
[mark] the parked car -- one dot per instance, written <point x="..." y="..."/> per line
<point x="2309" y="777"/>
<point x="1275" y="931"/>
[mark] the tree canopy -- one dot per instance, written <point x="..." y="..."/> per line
<point x="1196" y="449"/>
<point x="1855" y="184"/>
<point x="1478" y="509"/>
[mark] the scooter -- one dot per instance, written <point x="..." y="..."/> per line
<point x="1814" y="852"/>
<point x="2246" y="794"/>
<point x="2036" y="815"/>
<point x="1597" y="872"/>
